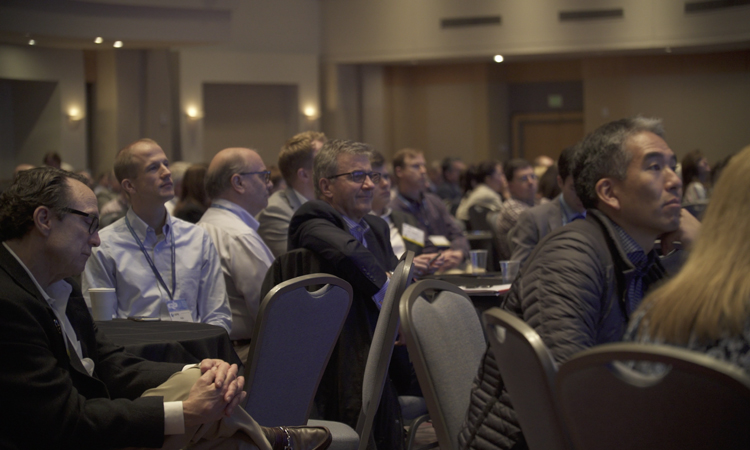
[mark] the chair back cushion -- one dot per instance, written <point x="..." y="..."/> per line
<point x="291" y="345"/>
<point x="446" y="343"/>
<point x="528" y="372"/>
<point x="692" y="401"/>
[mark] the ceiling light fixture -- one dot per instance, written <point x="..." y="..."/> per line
<point x="498" y="58"/>
<point x="32" y="42"/>
<point x="117" y="44"/>
<point x="98" y="40"/>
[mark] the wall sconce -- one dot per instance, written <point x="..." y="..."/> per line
<point x="74" y="114"/>
<point x="192" y="113"/>
<point x="310" y="112"/>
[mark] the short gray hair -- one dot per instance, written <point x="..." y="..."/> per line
<point x="219" y="179"/>
<point x="602" y="154"/>
<point x="326" y="161"/>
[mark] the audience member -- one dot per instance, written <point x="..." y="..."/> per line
<point x="106" y="189"/>
<point x="548" y="186"/>
<point x="522" y="184"/>
<point x="277" y="179"/>
<point x="338" y="228"/>
<point x="434" y="176"/>
<point x="541" y="164"/>
<point x="69" y="387"/>
<point x="193" y="199"/>
<point x="718" y="168"/>
<point x="403" y="226"/>
<point x="535" y="223"/>
<point x="21" y="168"/>
<point x="296" y="164"/>
<point x="178" y="169"/>
<point x="238" y="183"/>
<point x="160" y="266"/>
<point x="488" y="193"/>
<point x="584" y="280"/>
<point x="695" y="174"/>
<point x="450" y="189"/>
<point x="706" y="306"/>
<point x="114" y="210"/>
<point x="440" y="231"/>
<point x="52" y="159"/>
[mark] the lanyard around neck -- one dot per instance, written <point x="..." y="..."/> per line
<point x="151" y="262"/>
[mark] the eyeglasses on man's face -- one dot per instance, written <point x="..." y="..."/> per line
<point x="265" y="175"/>
<point x="93" y="226"/>
<point x="358" y="176"/>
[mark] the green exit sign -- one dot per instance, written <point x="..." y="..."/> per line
<point x="555" y="101"/>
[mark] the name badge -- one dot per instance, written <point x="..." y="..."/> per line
<point x="440" y="241"/>
<point x="413" y="234"/>
<point x="178" y="311"/>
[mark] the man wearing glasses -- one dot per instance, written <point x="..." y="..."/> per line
<point x="522" y="184"/>
<point x="160" y="266"/>
<point x="338" y="228"/>
<point x="238" y="184"/>
<point x="68" y="386"/>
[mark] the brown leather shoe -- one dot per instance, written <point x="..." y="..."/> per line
<point x="298" y="438"/>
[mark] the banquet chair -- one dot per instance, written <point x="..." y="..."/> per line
<point x="381" y="348"/>
<point x="292" y="342"/>
<point x="687" y="400"/>
<point x="528" y="372"/>
<point x="446" y="344"/>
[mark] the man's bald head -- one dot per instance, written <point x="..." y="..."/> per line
<point x="239" y="175"/>
<point x="126" y="166"/>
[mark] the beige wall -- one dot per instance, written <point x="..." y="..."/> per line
<point x="54" y="132"/>
<point x="365" y="31"/>
<point x="462" y="109"/>
<point x="703" y="99"/>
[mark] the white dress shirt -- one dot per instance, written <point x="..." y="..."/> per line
<point x="245" y="259"/>
<point x="119" y="263"/>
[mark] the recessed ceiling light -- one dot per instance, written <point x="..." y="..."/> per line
<point x="98" y="40"/>
<point x="498" y="58"/>
<point x="117" y="44"/>
<point x="32" y="42"/>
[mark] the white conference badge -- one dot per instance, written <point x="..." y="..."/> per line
<point x="439" y="241"/>
<point x="178" y="311"/>
<point x="413" y="234"/>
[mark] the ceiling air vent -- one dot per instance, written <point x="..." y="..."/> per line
<point x="463" y="22"/>
<point x="713" y="5"/>
<point x="591" y="14"/>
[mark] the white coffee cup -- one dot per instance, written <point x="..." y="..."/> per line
<point x="103" y="303"/>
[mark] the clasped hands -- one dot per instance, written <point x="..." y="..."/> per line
<point x="216" y="393"/>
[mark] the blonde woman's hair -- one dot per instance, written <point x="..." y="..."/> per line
<point x="710" y="297"/>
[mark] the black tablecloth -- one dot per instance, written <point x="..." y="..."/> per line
<point x="482" y="301"/>
<point x="178" y="342"/>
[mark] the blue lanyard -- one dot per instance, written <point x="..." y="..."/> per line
<point x="151" y="262"/>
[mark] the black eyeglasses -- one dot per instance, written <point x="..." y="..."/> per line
<point x="94" y="218"/>
<point x="358" y="176"/>
<point x="266" y="174"/>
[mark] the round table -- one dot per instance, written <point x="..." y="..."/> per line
<point x="179" y="342"/>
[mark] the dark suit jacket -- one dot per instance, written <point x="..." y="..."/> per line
<point x="48" y="399"/>
<point x="532" y="225"/>
<point x="318" y="227"/>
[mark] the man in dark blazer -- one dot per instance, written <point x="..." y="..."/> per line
<point x="66" y="385"/>
<point x="338" y="228"/>
<point x="535" y="223"/>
